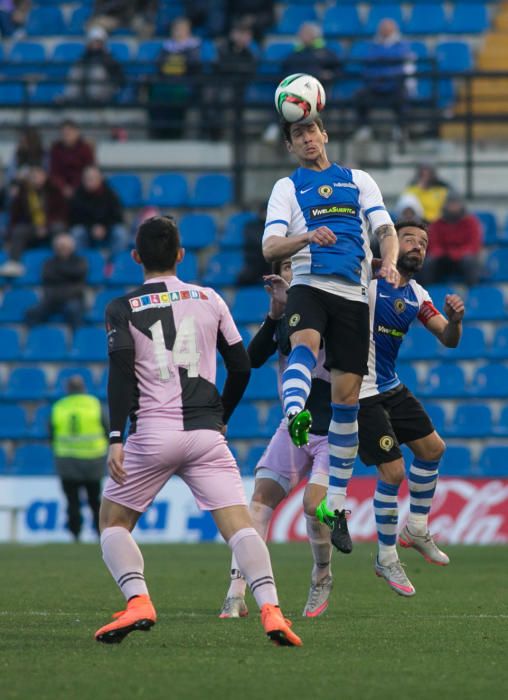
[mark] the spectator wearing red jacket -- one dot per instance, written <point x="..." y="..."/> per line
<point x="68" y="157"/>
<point x="455" y="243"/>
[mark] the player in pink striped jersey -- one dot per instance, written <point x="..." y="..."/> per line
<point x="163" y="339"/>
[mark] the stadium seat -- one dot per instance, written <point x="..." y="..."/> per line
<point x="39" y="427"/>
<point x="442" y="381"/>
<point x="213" y="190"/>
<point x="249" y="464"/>
<point x="244" y="423"/>
<point x="468" y="18"/>
<point x="471" y="421"/>
<point x="250" y="305"/>
<point x="437" y="416"/>
<point x="26" y="384"/>
<point x="407" y="375"/>
<point x="246" y="334"/>
<point x="497" y="266"/>
<point x="13" y="422"/>
<point x="471" y="346"/>
<point x="485" y="304"/>
<point x="188" y="268"/>
<point x="168" y="190"/>
<point x="438" y="293"/>
<point x="15" y="303"/>
<point x="293" y="16"/>
<point x="128" y="187"/>
<point x="456" y="461"/>
<point x="102" y="385"/>
<point x="78" y="20"/>
<point x="33" y="262"/>
<point x="272" y="420"/>
<point x="493" y="462"/>
<point x="197" y="231"/>
<point x="490" y="381"/>
<point x="102" y="299"/>
<point x="46" y="93"/>
<point x="233" y="231"/>
<point x="500" y="428"/>
<point x="60" y="387"/>
<point x="125" y="271"/>
<point x="89" y="345"/>
<point x="262" y="384"/>
<point x="44" y="21"/>
<point x="45" y="344"/>
<point x="452" y="56"/>
<point x="3" y="462"/>
<point x="120" y="51"/>
<point x="499" y="348"/>
<point x="342" y="21"/>
<point x="33" y="460"/>
<point x="273" y="56"/>
<point x="25" y="57"/>
<point x="12" y="94"/>
<point x="380" y="12"/>
<point x="426" y="19"/>
<point x="223" y="269"/>
<point x="419" y="344"/>
<point x="95" y="274"/>
<point x="146" y="58"/>
<point x="64" y="55"/>
<point x="489" y="224"/>
<point x="10" y="347"/>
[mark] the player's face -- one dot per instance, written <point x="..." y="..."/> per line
<point x="285" y="270"/>
<point x="413" y="243"/>
<point x="307" y="141"/>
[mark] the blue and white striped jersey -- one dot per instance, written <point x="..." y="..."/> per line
<point x="348" y="202"/>
<point x="392" y="311"/>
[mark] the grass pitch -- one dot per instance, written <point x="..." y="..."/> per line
<point x="449" y="641"/>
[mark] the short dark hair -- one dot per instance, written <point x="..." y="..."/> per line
<point x="158" y="243"/>
<point x="411" y="223"/>
<point x="69" y="122"/>
<point x="286" y="127"/>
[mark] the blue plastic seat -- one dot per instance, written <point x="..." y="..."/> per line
<point x="437" y="415"/>
<point x="3" y="462"/>
<point x="168" y="190"/>
<point x="128" y="187"/>
<point x="102" y="299"/>
<point x="146" y="58"/>
<point x="102" y="385"/>
<point x="45" y="344"/>
<point x="39" y="427"/>
<point x="65" y="54"/>
<point x="197" y="230"/>
<point x="273" y="56"/>
<point x="45" y="20"/>
<point x="26" y="53"/>
<point x="223" y="268"/>
<point x="12" y="94"/>
<point x="456" y="461"/>
<point x="471" y="420"/>
<point x="233" y="236"/>
<point x="426" y="19"/>
<point x="419" y="344"/>
<point x="13" y="422"/>
<point x="485" y="304"/>
<point x="453" y="56"/>
<point x="15" y="303"/>
<point x="380" y="12"/>
<point x="26" y="384"/>
<point x="213" y="190"/>
<point x="249" y="464"/>
<point x="500" y="429"/>
<point x="407" y="375"/>
<point x="489" y="224"/>
<point x="120" y="51"/>
<point x="342" y="21"/>
<point x="125" y="271"/>
<point x="272" y="419"/>
<point x="250" y="305"/>
<point x="442" y="381"/>
<point x="46" y="93"/>
<point x="499" y="348"/>
<point x="293" y="16"/>
<point x="188" y="268"/>
<point x="89" y="345"/>
<point x="60" y="387"/>
<point x="493" y="462"/>
<point x="33" y="261"/>
<point x="33" y="460"/>
<point x="10" y="347"/>
<point x="262" y="384"/>
<point x="468" y="18"/>
<point x="497" y="265"/>
<point x="438" y="293"/>
<point x="78" y="20"/>
<point x="244" y="423"/>
<point x="490" y="381"/>
<point x="95" y="274"/>
<point x="471" y="346"/>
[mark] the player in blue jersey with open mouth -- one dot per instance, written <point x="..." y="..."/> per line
<point x="321" y="216"/>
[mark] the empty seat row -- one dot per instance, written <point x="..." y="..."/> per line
<point x="419" y="344"/>
<point x="32" y="384"/>
<point x="469" y="420"/>
<point x="448" y="380"/>
<point x="50" y="344"/>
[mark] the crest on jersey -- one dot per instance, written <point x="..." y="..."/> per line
<point x="386" y="443"/>
<point x="325" y="191"/>
<point x="294" y="320"/>
<point x="399" y="305"/>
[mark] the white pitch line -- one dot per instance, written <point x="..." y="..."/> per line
<point x="48" y="613"/>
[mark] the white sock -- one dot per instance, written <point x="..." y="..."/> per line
<point x="418" y="523"/>
<point x="261" y="516"/>
<point x="124" y="560"/>
<point x="321" y="546"/>
<point x="253" y="559"/>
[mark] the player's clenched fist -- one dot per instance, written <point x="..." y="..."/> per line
<point x="454" y="308"/>
<point x="389" y="272"/>
<point x="115" y="463"/>
<point x="323" y="236"/>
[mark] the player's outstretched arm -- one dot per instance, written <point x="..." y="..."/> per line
<point x="389" y="246"/>
<point x="237" y="365"/>
<point x="276" y="248"/>
<point x="449" y="330"/>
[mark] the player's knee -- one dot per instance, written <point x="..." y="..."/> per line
<point x="435" y="449"/>
<point x="393" y="472"/>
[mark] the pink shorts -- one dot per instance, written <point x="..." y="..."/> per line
<point x="295" y="463"/>
<point x="201" y="458"/>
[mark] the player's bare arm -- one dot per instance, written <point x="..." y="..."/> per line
<point x="389" y="246"/>
<point x="276" y="248"/>
<point x="448" y="330"/>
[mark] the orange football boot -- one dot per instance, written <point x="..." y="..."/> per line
<point x="278" y="628"/>
<point x="139" y="615"/>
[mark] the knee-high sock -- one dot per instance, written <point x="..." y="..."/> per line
<point x="253" y="559"/>
<point x="423" y="477"/>
<point x="386" y="510"/>
<point x="343" y="447"/>
<point x="261" y="516"/>
<point x="296" y="379"/>
<point x="321" y="546"/>
<point x="124" y="560"/>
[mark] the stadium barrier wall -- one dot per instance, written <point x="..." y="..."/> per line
<point x="469" y="511"/>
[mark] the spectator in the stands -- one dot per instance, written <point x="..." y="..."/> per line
<point x="28" y="151"/>
<point x="311" y="55"/>
<point x="96" y="76"/>
<point x="254" y="264"/>
<point x="178" y="62"/>
<point x="63" y="285"/>
<point x="96" y="215"/>
<point x="385" y="71"/>
<point x="409" y="208"/>
<point x="138" y="15"/>
<point x="430" y="191"/>
<point x="13" y="14"/>
<point x="455" y="244"/>
<point x="258" y="14"/>
<point x="68" y="157"/>
<point x="37" y="213"/>
<point x="207" y="17"/>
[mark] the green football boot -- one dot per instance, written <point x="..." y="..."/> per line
<point x="299" y="426"/>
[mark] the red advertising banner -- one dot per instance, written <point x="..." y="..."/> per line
<point x="468" y="511"/>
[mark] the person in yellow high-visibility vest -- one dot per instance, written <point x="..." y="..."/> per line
<point x="78" y="431"/>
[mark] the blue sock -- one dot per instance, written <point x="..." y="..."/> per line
<point x="386" y="510"/>
<point x="296" y="380"/>
<point x="423" y="477"/>
<point x="343" y="447"/>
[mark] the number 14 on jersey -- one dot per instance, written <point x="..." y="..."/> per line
<point x="185" y="350"/>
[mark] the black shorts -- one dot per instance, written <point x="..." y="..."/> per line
<point x="388" y="420"/>
<point x="343" y="324"/>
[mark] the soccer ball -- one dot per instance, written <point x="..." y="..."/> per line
<point x="299" y="98"/>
